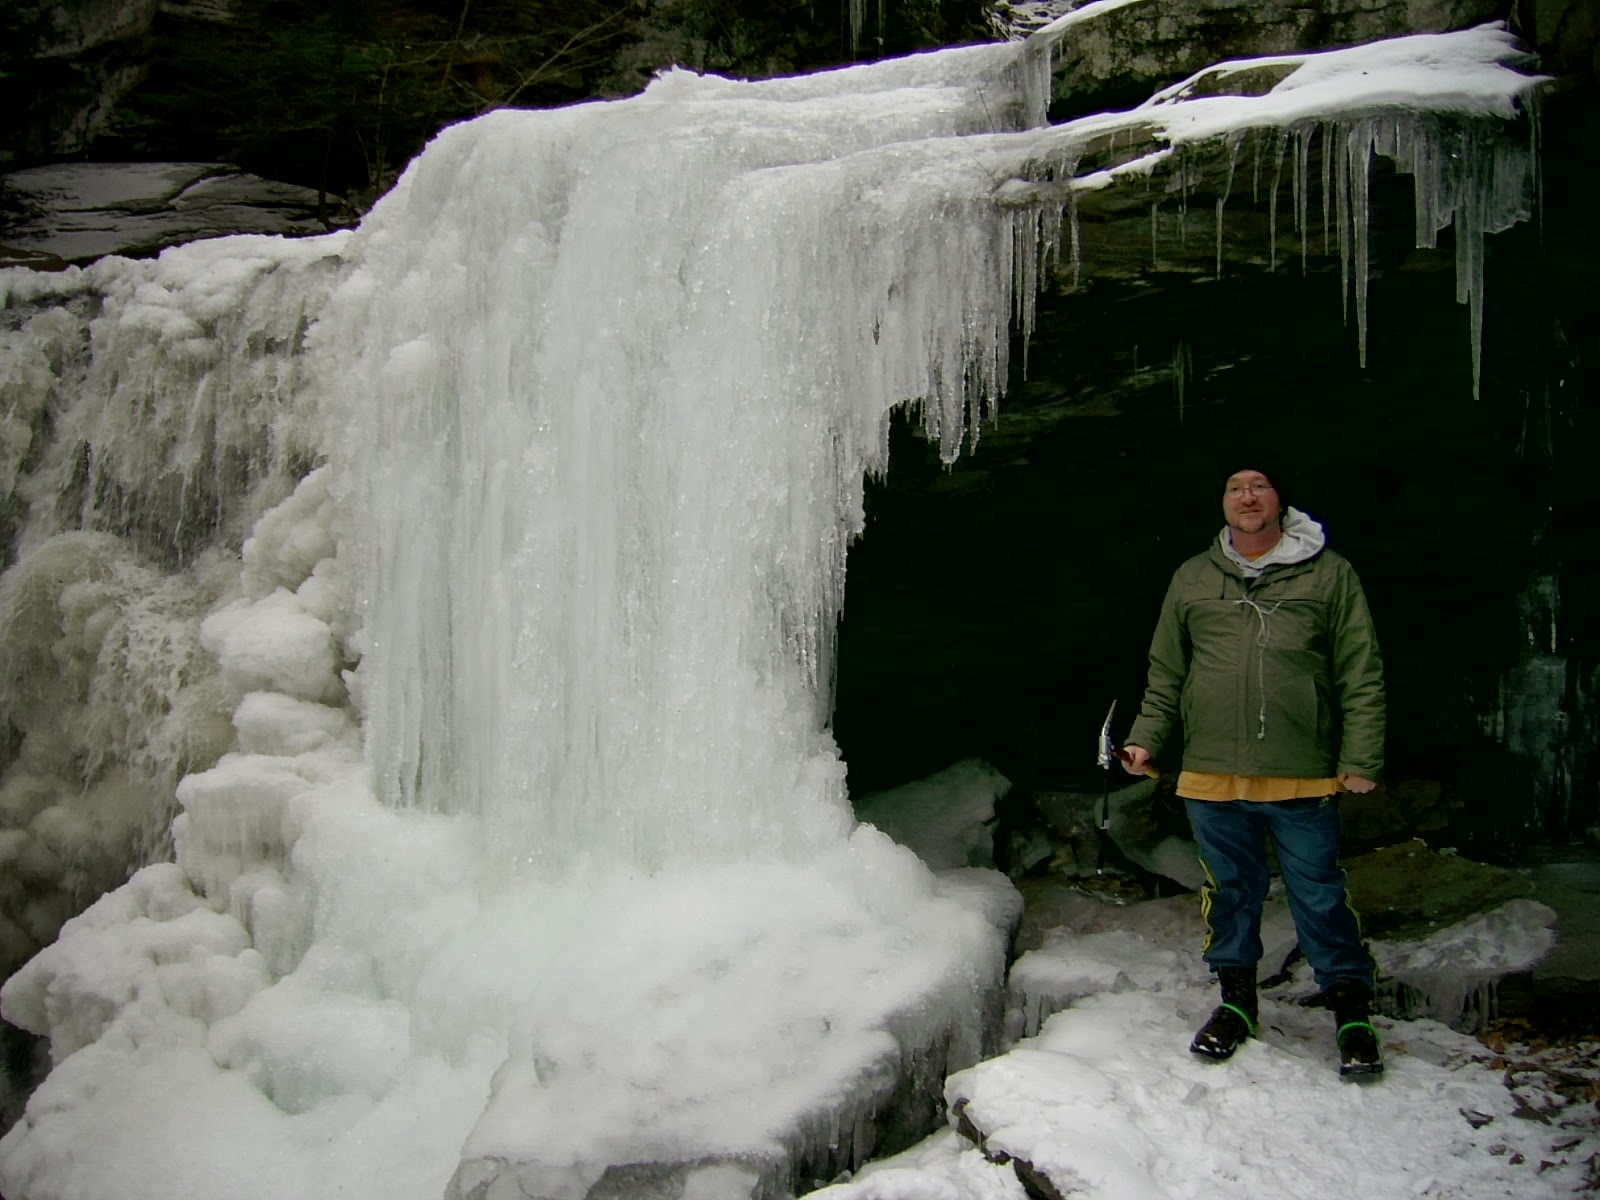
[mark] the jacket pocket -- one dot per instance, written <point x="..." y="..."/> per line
<point x="1299" y="723"/>
<point x="1210" y="720"/>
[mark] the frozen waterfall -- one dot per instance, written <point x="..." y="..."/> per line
<point x="616" y="409"/>
<point x="477" y="570"/>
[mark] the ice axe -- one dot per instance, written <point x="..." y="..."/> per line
<point x="1110" y="755"/>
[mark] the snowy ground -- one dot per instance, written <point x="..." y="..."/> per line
<point x="1108" y="1104"/>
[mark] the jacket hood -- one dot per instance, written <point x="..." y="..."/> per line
<point x="1303" y="539"/>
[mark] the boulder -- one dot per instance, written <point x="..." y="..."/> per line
<point x="947" y="819"/>
<point x="1145" y="827"/>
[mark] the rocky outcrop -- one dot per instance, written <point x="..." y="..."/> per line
<point x="85" y="56"/>
<point x="78" y="212"/>
<point x="1121" y="57"/>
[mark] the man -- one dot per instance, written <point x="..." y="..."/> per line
<point x="1266" y="656"/>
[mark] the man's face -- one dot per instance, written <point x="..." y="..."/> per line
<point x="1250" y="502"/>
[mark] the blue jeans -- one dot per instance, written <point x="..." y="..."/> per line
<point x="1232" y="836"/>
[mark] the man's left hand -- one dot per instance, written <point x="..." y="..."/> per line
<point x="1356" y="783"/>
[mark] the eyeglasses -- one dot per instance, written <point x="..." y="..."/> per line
<point x="1235" y="490"/>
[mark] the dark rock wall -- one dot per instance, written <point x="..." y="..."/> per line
<point x="339" y="95"/>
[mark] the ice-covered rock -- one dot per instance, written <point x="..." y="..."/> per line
<point x="1454" y="975"/>
<point x="947" y="819"/>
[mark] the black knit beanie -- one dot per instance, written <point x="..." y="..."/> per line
<point x="1268" y="467"/>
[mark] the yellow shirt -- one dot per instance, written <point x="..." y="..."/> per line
<point x="1204" y="785"/>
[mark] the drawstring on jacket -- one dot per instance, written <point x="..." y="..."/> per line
<point x="1263" y="636"/>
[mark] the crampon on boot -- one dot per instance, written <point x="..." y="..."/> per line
<point x="1359" y="1053"/>
<point x="1234" y="1020"/>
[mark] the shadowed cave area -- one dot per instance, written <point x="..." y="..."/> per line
<point x="997" y="606"/>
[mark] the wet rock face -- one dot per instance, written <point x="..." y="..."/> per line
<point x="90" y="25"/>
<point x="82" y="57"/>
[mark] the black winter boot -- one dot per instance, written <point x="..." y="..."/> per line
<point x="1234" y="1019"/>
<point x="1359" y="1055"/>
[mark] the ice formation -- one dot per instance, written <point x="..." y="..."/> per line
<point x="1529" y="710"/>
<point x="510" y="531"/>
<point x="947" y="818"/>
<point x="1424" y="110"/>
<point x="1454" y="975"/>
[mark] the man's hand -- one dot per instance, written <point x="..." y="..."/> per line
<point x="1135" y="759"/>
<point x="1355" y="783"/>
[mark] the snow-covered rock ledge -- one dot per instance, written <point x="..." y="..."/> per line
<point x="1103" y="1100"/>
<point x="1450" y="975"/>
<point x="75" y="213"/>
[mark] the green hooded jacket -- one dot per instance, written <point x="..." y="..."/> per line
<point x="1274" y="676"/>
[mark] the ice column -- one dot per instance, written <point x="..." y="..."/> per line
<point x="613" y="409"/>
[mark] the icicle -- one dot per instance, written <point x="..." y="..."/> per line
<point x="1227" y="187"/>
<point x="1536" y="152"/>
<point x="1282" y="141"/>
<point x="1302" y="192"/>
<point x="1255" y="169"/>
<point x="1183" y="202"/>
<point x="1327" y="182"/>
<point x="1037" y="79"/>
<point x="1074" y="248"/>
<point x="173" y="413"/>
<point x="1339" y="199"/>
<point x="1035" y="242"/>
<point x="1462" y="174"/>
<point x="1358" y="217"/>
<point x="1181" y="361"/>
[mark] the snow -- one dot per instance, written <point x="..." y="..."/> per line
<point x="469" y="582"/>
<point x="1106" y="1101"/>
<point x="273" y="644"/>
<point x="763" y="986"/>
<point x="1461" y="74"/>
